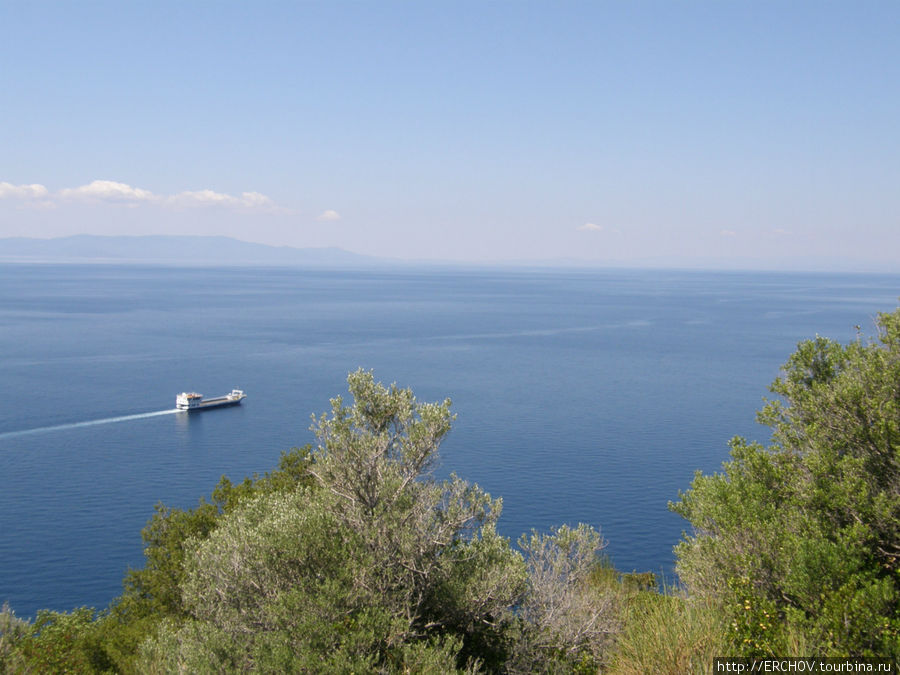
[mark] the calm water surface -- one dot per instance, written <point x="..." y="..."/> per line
<point x="581" y="397"/>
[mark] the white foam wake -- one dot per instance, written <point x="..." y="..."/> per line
<point x="89" y="423"/>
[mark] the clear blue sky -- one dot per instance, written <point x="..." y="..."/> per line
<point x="697" y="133"/>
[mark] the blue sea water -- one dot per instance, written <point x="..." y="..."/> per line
<point x="581" y="396"/>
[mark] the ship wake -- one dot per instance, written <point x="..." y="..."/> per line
<point x="89" y="423"/>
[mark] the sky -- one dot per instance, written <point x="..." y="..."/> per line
<point x="720" y="134"/>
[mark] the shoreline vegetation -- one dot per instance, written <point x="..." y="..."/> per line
<point x="351" y="556"/>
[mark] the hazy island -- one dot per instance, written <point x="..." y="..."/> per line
<point x="173" y="250"/>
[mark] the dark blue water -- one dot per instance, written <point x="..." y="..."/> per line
<point x="581" y="397"/>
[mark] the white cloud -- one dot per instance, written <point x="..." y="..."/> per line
<point x="728" y="233"/>
<point x="32" y="191"/>
<point x="108" y="190"/>
<point x="330" y="214"/>
<point x="200" y="198"/>
<point x="256" y="200"/>
<point x="780" y="231"/>
<point x="590" y="227"/>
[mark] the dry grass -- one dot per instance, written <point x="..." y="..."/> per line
<point x="668" y="634"/>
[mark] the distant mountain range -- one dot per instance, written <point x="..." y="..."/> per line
<point x="192" y="250"/>
<point x="199" y="250"/>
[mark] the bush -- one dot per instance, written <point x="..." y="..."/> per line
<point x="799" y="543"/>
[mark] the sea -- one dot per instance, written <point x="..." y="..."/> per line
<point x="581" y="396"/>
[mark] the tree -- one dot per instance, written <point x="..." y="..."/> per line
<point x="376" y="566"/>
<point x="566" y="621"/>
<point x="57" y="642"/>
<point x="154" y="593"/>
<point x="13" y="632"/>
<point x="800" y="542"/>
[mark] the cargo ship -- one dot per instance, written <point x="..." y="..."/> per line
<point x="194" y="401"/>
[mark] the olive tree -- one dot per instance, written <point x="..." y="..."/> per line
<point x="13" y="632"/>
<point x="376" y="565"/>
<point x="566" y="622"/>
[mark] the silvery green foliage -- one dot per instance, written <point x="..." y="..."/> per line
<point x="565" y="622"/>
<point x="376" y="567"/>
<point x="11" y="626"/>
<point x="275" y="544"/>
<point x="374" y="458"/>
<point x="12" y="630"/>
